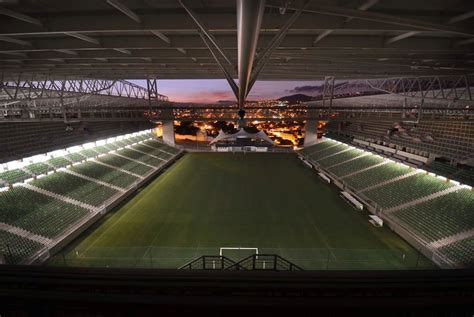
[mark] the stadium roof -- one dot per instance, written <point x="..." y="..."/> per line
<point x="142" y="38"/>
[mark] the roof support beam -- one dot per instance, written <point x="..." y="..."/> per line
<point x="264" y="57"/>
<point x="363" y="7"/>
<point x="204" y="30"/>
<point x="461" y="17"/>
<point x="14" y="41"/>
<point x="226" y="73"/>
<point x="69" y="52"/>
<point x="383" y="18"/>
<point x="20" y="16"/>
<point x="401" y="37"/>
<point x="83" y="37"/>
<point x="161" y="36"/>
<point x="124" y="9"/>
<point x="123" y="51"/>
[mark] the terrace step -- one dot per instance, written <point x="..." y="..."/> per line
<point x="423" y="199"/>
<point x="95" y="180"/>
<point x="60" y="197"/>
<point x="25" y="233"/>
<point x="451" y="239"/>
<point x="118" y="169"/>
<point x="317" y="151"/>
<point x="136" y="150"/>
<point x="330" y="155"/>
<point x="349" y="160"/>
<point x="136" y="161"/>
<point x="391" y="180"/>
<point x="365" y="169"/>
<point x="154" y="148"/>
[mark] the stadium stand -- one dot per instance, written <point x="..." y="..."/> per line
<point x="405" y="190"/>
<point x="37" y="213"/>
<point x="106" y="174"/>
<point x="440" y="217"/>
<point x="15" y="248"/>
<point x="377" y="175"/>
<point x="435" y="210"/>
<point x="76" y="188"/>
<point x="14" y="176"/>
<point x="39" y="168"/>
<point x="462" y="251"/>
<point x="58" y="162"/>
<point x="125" y="164"/>
<point x="356" y="165"/>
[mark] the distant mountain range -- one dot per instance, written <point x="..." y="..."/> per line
<point x="296" y="98"/>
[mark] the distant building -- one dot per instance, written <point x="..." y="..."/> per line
<point x="241" y="141"/>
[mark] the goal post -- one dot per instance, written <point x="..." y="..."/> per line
<point x="237" y="253"/>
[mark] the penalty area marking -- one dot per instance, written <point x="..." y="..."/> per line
<point x="236" y="248"/>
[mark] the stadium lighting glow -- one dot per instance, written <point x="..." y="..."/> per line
<point x="111" y="140"/>
<point x="61" y="169"/>
<point x="37" y="158"/>
<point x="57" y="153"/>
<point x="100" y="142"/>
<point x="3" y="189"/>
<point x="74" y="149"/>
<point x="16" y="184"/>
<point x="28" y="180"/>
<point x="15" y="164"/>
<point x="100" y="155"/>
<point x="467" y="187"/>
<point x="89" y="145"/>
<point x="41" y="176"/>
<point x="455" y="182"/>
<point x="444" y="179"/>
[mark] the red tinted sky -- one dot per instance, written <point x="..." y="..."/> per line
<point x="213" y="90"/>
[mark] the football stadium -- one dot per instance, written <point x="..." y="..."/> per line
<point x="358" y="181"/>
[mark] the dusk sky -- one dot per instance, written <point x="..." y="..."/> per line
<point x="213" y="90"/>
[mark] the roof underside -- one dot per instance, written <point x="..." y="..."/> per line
<point x="144" y="38"/>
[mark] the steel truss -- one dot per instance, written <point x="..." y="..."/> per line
<point x="31" y="87"/>
<point x="452" y="88"/>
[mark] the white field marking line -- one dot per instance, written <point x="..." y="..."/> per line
<point x="236" y="248"/>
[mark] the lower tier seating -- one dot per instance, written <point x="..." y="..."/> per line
<point x="440" y="217"/>
<point x="14" y="176"/>
<point x="461" y="251"/>
<point x="405" y="190"/>
<point x="125" y="164"/>
<point x="105" y="174"/>
<point x="38" y="168"/>
<point x="329" y="151"/>
<point x="340" y="158"/>
<point x="318" y="147"/>
<point x="75" y="187"/>
<point x="15" y="249"/>
<point x="38" y="213"/>
<point x="376" y="175"/>
<point x="356" y="165"/>
<point x="145" y="158"/>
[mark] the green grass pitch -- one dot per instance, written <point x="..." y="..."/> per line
<point x="269" y="201"/>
